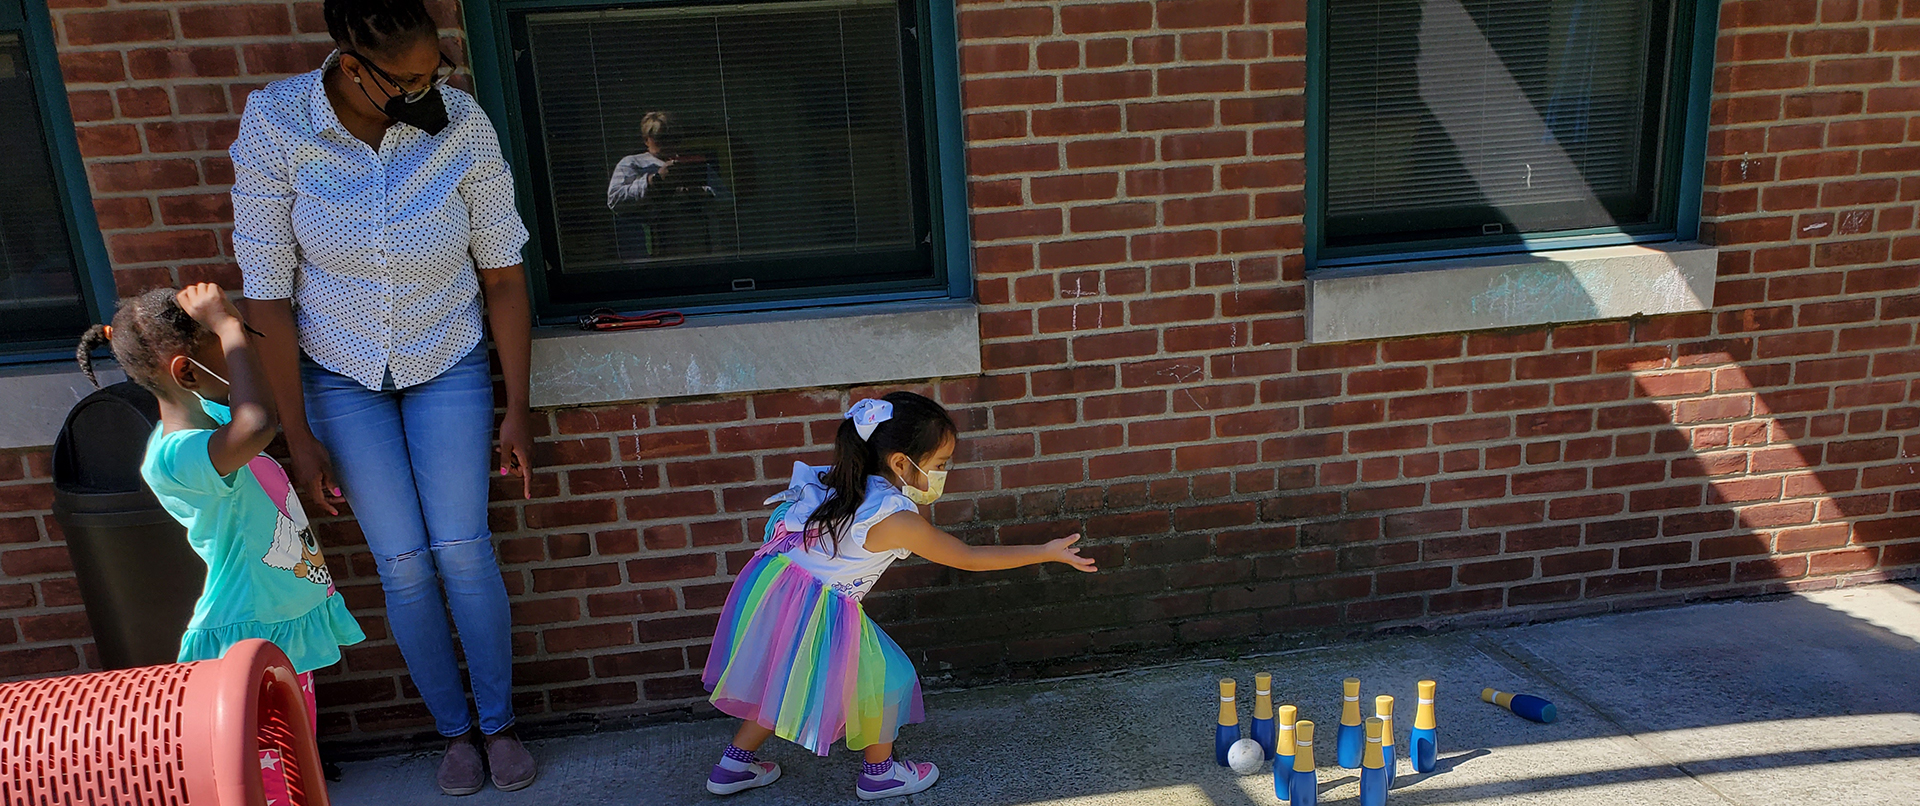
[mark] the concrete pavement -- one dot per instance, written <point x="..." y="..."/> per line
<point x="1809" y="699"/>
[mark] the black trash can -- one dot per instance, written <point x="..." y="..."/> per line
<point x="137" y="574"/>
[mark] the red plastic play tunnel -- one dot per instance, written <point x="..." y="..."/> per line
<point x="185" y="734"/>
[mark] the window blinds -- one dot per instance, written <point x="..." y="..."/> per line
<point x="1452" y="118"/>
<point x="788" y="122"/>
<point x="38" y="296"/>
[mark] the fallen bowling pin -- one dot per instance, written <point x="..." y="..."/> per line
<point x="1350" y="739"/>
<point x="1423" y="743"/>
<point x="1263" y="712"/>
<point x="1283" y="740"/>
<point x="1303" y="785"/>
<point x="1373" y="768"/>
<point x="1525" y="705"/>
<point x="1227" y="730"/>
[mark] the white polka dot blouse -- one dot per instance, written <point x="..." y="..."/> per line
<point x="377" y="249"/>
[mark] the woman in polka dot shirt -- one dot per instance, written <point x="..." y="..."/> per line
<point x="375" y="228"/>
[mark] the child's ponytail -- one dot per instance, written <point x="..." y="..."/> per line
<point x="93" y="339"/>
<point x="147" y="331"/>
<point x="917" y="428"/>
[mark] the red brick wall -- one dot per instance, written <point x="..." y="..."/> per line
<point x="1137" y="190"/>
<point x="43" y="628"/>
<point x="156" y="90"/>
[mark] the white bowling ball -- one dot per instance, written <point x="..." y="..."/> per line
<point x="1246" y="757"/>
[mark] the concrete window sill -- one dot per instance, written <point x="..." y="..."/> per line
<point x="38" y="397"/>
<point x="1454" y="295"/>
<point x="734" y="353"/>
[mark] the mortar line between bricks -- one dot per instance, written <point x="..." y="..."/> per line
<point x="1536" y="666"/>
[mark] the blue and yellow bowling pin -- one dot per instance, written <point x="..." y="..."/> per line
<point x="1228" y="730"/>
<point x="1283" y="740"/>
<point x="1383" y="709"/>
<point x="1423" y="745"/>
<point x="1351" y="739"/>
<point x="1373" y="768"/>
<point x="1525" y="705"/>
<point x="1303" y="785"/>
<point x="1263" y="712"/>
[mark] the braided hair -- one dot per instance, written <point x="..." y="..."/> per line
<point x="147" y="332"/>
<point x="379" y="27"/>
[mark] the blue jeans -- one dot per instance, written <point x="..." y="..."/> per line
<point x="413" y="463"/>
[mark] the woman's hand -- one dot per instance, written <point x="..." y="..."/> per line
<point x="1062" y="551"/>
<point x="516" y="449"/>
<point x="313" y="472"/>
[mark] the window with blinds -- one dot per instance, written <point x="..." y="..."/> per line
<point x="39" y="294"/>
<point x="1453" y="123"/>
<point x="723" y="152"/>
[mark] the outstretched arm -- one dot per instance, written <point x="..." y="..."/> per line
<point x="907" y="530"/>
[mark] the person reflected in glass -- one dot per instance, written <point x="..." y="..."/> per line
<point x="664" y="198"/>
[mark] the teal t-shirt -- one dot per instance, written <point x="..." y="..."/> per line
<point x="265" y="576"/>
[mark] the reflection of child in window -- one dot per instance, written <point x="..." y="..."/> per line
<point x="661" y="169"/>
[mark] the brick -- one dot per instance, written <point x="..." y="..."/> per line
<point x="143" y="175"/>
<point x="660" y="569"/>
<point x="1106" y="17"/>
<point x="1074" y="121"/>
<point x="1001" y="23"/>
<point x="1201" y="13"/>
<point x="92" y="67"/>
<point x="594" y="636"/>
<point x="111" y="27"/>
<point x="235" y="20"/>
<point x="1219" y="78"/>
<point x="1085" y="87"/>
<point x="1018" y="159"/>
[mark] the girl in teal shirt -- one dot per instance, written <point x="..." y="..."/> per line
<point x="265" y="576"/>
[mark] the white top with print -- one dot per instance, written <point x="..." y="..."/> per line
<point x="376" y="249"/>
<point x="847" y="567"/>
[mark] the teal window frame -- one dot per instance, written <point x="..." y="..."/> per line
<point x="490" y="54"/>
<point x="1695" y="37"/>
<point x="93" y="271"/>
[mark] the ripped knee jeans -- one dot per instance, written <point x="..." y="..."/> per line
<point x="413" y="463"/>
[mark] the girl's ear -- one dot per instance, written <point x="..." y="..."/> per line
<point x="183" y="373"/>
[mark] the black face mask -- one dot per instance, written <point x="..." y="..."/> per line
<point x="429" y="114"/>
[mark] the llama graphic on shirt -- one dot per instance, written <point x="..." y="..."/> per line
<point x="294" y="547"/>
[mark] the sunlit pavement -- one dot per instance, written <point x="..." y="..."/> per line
<point x="1808" y="699"/>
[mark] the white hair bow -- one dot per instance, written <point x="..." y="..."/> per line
<point x="868" y="414"/>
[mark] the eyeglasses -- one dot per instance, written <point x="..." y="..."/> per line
<point x="441" y="75"/>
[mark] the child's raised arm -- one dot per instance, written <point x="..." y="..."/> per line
<point x="907" y="530"/>
<point x="235" y="444"/>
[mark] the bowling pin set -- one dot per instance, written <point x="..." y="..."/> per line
<point x="1365" y="745"/>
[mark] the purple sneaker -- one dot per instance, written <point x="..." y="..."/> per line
<point x="723" y="781"/>
<point x="904" y="778"/>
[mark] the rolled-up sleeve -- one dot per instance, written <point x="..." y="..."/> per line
<point x="498" y="234"/>
<point x="263" y="239"/>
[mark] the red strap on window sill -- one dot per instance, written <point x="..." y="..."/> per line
<point x="606" y="319"/>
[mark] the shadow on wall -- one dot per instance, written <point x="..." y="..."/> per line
<point x="1491" y="476"/>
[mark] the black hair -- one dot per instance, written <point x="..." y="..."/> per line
<point x="378" y="27"/>
<point x="917" y="429"/>
<point x="147" y="331"/>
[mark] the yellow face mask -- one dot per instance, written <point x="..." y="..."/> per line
<point x="936" y="484"/>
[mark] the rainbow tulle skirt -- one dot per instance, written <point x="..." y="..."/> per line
<point x="804" y="661"/>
